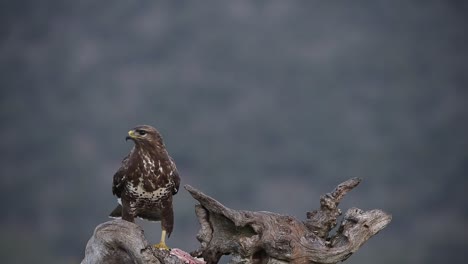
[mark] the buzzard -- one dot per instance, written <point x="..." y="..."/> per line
<point x="146" y="182"/>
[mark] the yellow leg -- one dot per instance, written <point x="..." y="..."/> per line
<point x="162" y="244"/>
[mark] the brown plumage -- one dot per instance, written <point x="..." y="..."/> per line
<point x="146" y="181"/>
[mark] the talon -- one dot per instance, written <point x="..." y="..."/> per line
<point x="162" y="245"/>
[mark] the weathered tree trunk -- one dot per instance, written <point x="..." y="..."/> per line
<point x="122" y="242"/>
<point x="250" y="237"/>
<point x="265" y="237"/>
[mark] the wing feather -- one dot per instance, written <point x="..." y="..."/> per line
<point x="174" y="177"/>
<point x="120" y="178"/>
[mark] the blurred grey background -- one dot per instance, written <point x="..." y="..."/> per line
<point x="264" y="105"/>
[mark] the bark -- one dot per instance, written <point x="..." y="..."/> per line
<point x="266" y="237"/>
<point x="249" y="237"/>
<point x="122" y="242"/>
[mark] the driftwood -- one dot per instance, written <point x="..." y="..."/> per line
<point x="122" y="242"/>
<point x="265" y="237"/>
<point x="249" y="237"/>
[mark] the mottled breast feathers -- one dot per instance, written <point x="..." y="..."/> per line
<point x="147" y="172"/>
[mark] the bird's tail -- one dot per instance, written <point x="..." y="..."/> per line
<point x="117" y="212"/>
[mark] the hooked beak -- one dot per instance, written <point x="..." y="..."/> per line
<point x="131" y="135"/>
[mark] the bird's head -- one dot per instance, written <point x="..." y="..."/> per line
<point x="145" y="135"/>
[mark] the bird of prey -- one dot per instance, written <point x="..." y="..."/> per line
<point x="146" y="182"/>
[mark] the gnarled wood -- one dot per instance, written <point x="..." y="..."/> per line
<point x="250" y="237"/>
<point x="266" y="237"/>
<point x="122" y="242"/>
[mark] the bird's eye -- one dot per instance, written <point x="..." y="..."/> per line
<point x="141" y="132"/>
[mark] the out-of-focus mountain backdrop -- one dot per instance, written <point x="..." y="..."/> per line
<point x="264" y="105"/>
